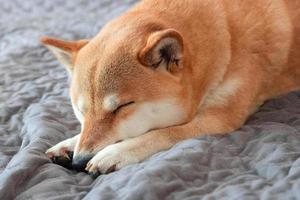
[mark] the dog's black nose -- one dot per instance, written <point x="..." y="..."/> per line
<point x="79" y="162"/>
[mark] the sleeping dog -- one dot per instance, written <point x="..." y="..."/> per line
<point x="169" y="70"/>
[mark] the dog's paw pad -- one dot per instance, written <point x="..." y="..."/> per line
<point x="64" y="158"/>
<point x="62" y="161"/>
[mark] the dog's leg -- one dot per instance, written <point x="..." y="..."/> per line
<point x="116" y="156"/>
<point x="216" y="119"/>
<point x="62" y="152"/>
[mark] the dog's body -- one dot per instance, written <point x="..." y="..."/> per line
<point x="170" y="70"/>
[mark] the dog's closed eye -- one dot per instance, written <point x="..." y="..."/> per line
<point x="122" y="106"/>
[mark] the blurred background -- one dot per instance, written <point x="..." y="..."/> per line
<point x="23" y="22"/>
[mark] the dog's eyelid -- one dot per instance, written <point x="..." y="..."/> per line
<point x="122" y="106"/>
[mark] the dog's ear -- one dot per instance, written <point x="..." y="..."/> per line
<point x="65" y="51"/>
<point x="163" y="48"/>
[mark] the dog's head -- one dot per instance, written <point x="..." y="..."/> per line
<point x="125" y="82"/>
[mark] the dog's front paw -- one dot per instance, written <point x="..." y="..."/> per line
<point x="111" y="158"/>
<point x="62" y="153"/>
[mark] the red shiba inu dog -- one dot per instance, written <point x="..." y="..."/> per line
<point x="169" y="70"/>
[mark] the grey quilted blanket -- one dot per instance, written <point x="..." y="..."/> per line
<point x="259" y="161"/>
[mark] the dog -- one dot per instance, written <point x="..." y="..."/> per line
<point x="170" y="70"/>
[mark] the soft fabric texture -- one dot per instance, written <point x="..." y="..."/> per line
<point x="259" y="161"/>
